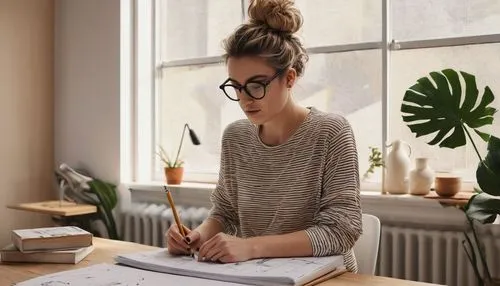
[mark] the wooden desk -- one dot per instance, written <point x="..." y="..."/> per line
<point x="105" y="250"/>
<point x="57" y="208"/>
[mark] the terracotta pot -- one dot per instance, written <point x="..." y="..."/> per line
<point x="447" y="185"/>
<point x="174" y="175"/>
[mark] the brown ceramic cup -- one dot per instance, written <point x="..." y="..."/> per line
<point x="447" y="185"/>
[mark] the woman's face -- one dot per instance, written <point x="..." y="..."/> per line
<point x="259" y="79"/>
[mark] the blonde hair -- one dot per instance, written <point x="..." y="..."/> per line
<point x="270" y="34"/>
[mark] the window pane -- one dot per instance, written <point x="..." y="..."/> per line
<point x="191" y="95"/>
<point x="334" y="22"/>
<point x="347" y="83"/>
<point x="196" y="28"/>
<point x="444" y="18"/>
<point x="409" y="65"/>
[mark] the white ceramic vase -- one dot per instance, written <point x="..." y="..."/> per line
<point x="421" y="178"/>
<point x="397" y="168"/>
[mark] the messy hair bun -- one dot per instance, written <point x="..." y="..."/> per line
<point x="280" y="15"/>
<point x="269" y="34"/>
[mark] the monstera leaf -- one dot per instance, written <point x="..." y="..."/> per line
<point x="488" y="171"/>
<point x="483" y="207"/>
<point x="447" y="108"/>
<point x="444" y="107"/>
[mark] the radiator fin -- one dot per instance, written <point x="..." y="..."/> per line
<point x="147" y="223"/>
<point x="432" y="256"/>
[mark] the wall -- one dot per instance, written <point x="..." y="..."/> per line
<point x="87" y="88"/>
<point x="26" y="110"/>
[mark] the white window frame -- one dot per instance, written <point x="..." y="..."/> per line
<point x="147" y="71"/>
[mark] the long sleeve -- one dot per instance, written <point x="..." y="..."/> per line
<point x="338" y="222"/>
<point x="223" y="209"/>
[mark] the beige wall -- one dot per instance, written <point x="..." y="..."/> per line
<point x="26" y="110"/>
<point x="87" y="86"/>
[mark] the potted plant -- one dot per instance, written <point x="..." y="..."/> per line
<point x="452" y="111"/>
<point x="174" y="170"/>
<point x="79" y="186"/>
<point x="375" y="159"/>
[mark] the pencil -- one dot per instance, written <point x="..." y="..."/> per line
<point x="174" y="211"/>
<point x="176" y="216"/>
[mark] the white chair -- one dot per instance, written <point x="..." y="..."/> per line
<point x="366" y="248"/>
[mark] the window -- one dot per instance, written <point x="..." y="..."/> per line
<point x="331" y="22"/>
<point x="194" y="28"/>
<point x="463" y="37"/>
<point x="408" y="65"/>
<point x="352" y="56"/>
<point x="431" y="19"/>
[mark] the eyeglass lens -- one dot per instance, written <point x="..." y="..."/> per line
<point x="253" y="89"/>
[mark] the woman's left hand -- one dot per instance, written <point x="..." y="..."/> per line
<point x="225" y="248"/>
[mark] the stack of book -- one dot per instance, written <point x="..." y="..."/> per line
<point x="64" y="244"/>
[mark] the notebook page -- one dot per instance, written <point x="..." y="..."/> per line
<point x="110" y="274"/>
<point x="284" y="271"/>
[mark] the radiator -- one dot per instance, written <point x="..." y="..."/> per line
<point x="433" y="256"/>
<point x="407" y="253"/>
<point x="146" y="223"/>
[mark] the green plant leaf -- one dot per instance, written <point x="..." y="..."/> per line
<point x="484" y="136"/>
<point x="488" y="172"/>
<point x="105" y="193"/>
<point x="483" y="207"/>
<point x="101" y="194"/>
<point x="435" y="108"/>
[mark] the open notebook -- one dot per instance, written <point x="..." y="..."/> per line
<point x="110" y="274"/>
<point x="276" y="271"/>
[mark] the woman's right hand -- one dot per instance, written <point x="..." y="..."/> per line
<point x="177" y="244"/>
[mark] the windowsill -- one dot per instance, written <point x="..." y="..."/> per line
<point x="405" y="210"/>
<point x="371" y="188"/>
<point x="158" y="186"/>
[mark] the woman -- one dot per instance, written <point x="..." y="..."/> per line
<point x="288" y="183"/>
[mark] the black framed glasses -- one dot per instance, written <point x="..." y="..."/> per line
<point x="256" y="89"/>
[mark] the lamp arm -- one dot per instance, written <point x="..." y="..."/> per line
<point x="180" y="144"/>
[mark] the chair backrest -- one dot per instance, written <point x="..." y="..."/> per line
<point x="366" y="248"/>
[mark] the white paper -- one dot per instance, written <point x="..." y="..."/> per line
<point x="110" y="274"/>
<point x="50" y="232"/>
<point x="282" y="271"/>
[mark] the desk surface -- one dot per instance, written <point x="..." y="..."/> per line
<point x="106" y="249"/>
<point x="59" y="208"/>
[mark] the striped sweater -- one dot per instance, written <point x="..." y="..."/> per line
<point x="308" y="183"/>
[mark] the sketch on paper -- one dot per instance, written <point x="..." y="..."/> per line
<point x="115" y="275"/>
<point x="290" y="268"/>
